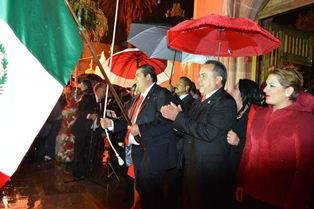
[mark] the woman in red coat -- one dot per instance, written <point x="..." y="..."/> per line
<point x="276" y="170"/>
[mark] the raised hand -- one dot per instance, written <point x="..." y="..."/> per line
<point x="170" y="111"/>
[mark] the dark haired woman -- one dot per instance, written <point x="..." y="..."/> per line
<point x="86" y="87"/>
<point x="246" y="93"/>
<point x="248" y="98"/>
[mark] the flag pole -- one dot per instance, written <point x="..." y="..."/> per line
<point x="113" y="91"/>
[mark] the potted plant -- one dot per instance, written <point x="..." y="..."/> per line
<point x="91" y="18"/>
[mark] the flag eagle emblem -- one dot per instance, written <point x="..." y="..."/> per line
<point x="3" y="67"/>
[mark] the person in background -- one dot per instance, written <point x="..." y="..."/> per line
<point x="65" y="139"/>
<point x="88" y="143"/>
<point x="45" y="142"/>
<point x="248" y="98"/>
<point x="85" y="87"/>
<point x="276" y="170"/>
<point x="310" y="90"/>
<point x="194" y="91"/>
<point x="182" y="89"/>
<point x="204" y="129"/>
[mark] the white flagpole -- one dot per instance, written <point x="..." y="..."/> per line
<point x="120" y="161"/>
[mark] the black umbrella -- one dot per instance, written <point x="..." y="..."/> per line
<point x="89" y="76"/>
<point x="152" y="40"/>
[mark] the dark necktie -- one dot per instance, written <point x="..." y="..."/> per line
<point x="99" y="106"/>
<point x="99" y="111"/>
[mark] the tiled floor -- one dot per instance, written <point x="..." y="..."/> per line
<point x="45" y="184"/>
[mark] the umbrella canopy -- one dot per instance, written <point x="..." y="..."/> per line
<point x="125" y="64"/>
<point x="91" y="77"/>
<point x="218" y="35"/>
<point x="152" y="40"/>
<point x="136" y="28"/>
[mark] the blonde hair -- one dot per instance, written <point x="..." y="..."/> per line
<point x="289" y="76"/>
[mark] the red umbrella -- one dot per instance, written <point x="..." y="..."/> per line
<point x="217" y="35"/>
<point x="126" y="62"/>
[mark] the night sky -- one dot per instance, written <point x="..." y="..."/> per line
<point x="158" y="16"/>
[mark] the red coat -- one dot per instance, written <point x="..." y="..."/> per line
<point x="277" y="165"/>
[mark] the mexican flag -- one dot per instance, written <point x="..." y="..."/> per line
<point x="39" y="48"/>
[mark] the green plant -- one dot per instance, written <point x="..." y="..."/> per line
<point x="91" y="17"/>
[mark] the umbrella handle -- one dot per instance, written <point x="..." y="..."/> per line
<point x="172" y="67"/>
<point x="137" y="59"/>
<point x="221" y="29"/>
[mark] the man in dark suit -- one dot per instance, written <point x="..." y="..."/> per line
<point x="88" y="144"/>
<point x="156" y="153"/>
<point x="204" y="129"/>
<point x="182" y="89"/>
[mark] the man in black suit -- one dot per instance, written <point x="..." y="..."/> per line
<point x="88" y="144"/>
<point x="204" y="129"/>
<point x="156" y="153"/>
<point x="182" y="89"/>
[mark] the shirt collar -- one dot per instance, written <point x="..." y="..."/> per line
<point x="183" y="96"/>
<point x="147" y="90"/>
<point x="97" y="99"/>
<point x="211" y="93"/>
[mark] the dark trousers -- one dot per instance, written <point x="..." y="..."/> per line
<point x="174" y="192"/>
<point x="151" y="189"/>
<point x="80" y="160"/>
<point x="252" y="203"/>
<point x="96" y="149"/>
<point x="88" y="153"/>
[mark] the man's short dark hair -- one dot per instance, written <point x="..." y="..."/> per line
<point x="219" y="69"/>
<point x="193" y="87"/>
<point x="187" y="82"/>
<point x="148" y="69"/>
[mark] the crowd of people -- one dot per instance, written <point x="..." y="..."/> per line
<point x="247" y="148"/>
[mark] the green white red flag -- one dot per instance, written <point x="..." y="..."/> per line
<point x="39" y="49"/>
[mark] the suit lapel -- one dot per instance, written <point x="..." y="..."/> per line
<point x="150" y="93"/>
<point x="186" y="99"/>
<point x="213" y="97"/>
<point x="196" y="107"/>
<point x="209" y="102"/>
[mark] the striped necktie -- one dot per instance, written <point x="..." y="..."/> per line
<point x="133" y="112"/>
